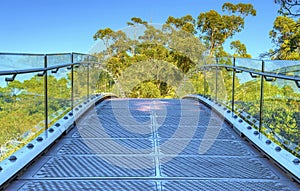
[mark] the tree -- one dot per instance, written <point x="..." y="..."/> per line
<point x="136" y="21"/>
<point x="121" y="43"/>
<point x="285" y="36"/>
<point x="15" y="87"/>
<point x="185" y="44"/>
<point x="153" y="36"/>
<point x="146" y="90"/>
<point x="186" y="23"/>
<point x="240" y="50"/>
<point x="105" y="35"/>
<point x="289" y="7"/>
<point x="242" y="9"/>
<point x="216" y="28"/>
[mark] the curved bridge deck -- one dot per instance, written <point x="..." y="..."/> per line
<point x="151" y="144"/>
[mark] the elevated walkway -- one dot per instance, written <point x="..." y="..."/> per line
<point x="152" y="144"/>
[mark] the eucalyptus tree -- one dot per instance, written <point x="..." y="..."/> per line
<point x="117" y="45"/>
<point x="215" y="28"/>
<point x="105" y="35"/>
<point x="136" y="23"/>
<point x="185" y="47"/>
<point x="240" y="49"/>
<point x="186" y="23"/>
<point x="153" y="35"/>
<point x="121" y="42"/>
<point x="285" y="36"/>
<point x="136" y="20"/>
<point x="289" y="7"/>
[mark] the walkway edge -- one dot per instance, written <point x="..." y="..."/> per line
<point x="284" y="159"/>
<point x="13" y="164"/>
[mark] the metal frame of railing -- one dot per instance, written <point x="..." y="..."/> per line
<point x="43" y="71"/>
<point x="254" y="73"/>
<point x="54" y="69"/>
<point x="20" y="158"/>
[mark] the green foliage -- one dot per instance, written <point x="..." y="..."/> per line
<point x="146" y="90"/>
<point x="103" y="34"/>
<point x="216" y="28"/>
<point x="135" y="21"/>
<point x="172" y="46"/>
<point x="185" y="23"/>
<point x="289" y="7"/>
<point x="240" y="50"/>
<point x="175" y="43"/>
<point x="286" y="37"/>
<point x="280" y="109"/>
<point x="243" y="9"/>
<point x="22" y="108"/>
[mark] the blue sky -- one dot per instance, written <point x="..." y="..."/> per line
<point x="50" y="26"/>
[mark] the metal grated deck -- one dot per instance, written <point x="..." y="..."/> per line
<point x="150" y="144"/>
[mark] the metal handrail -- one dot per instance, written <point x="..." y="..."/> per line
<point x="267" y="74"/>
<point x="253" y="73"/>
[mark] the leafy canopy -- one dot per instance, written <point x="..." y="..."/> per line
<point x="289" y="7"/>
<point x="285" y="36"/>
<point x="215" y="28"/>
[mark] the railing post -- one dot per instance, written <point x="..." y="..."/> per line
<point x="204" y="84"/>
<point x="88" y="81"/>
<point x="261" y="96"/>
<point x="216" y="88"/>
<point x="46" y="92"/>
<point x="233" y="86"/>
<point x="72" y="81"/>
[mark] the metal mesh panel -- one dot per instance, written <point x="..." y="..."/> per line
<point x="167" y="159"/>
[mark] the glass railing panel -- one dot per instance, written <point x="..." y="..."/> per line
<point x="94" y="82"/>
<point x="58" y="59"/>
<point x="210" y="82"/>
<point x="20" y="61"/>
<point x="248" y="63"/>
<point x="21" y="111"/>
<point x="197" y="81"/>
<point x="283" y="67"/>
<point x="224" y="87"/>
<point x="81" y="58"/>
<point x="247" y="97"/>
<point x="107" y="83"/>
<point x="209" y="60"/>
<point x="225" y="61"/>
<point x="80" y="84"/>
<point x="281" y="113"/>
<point x="59" y="93"/>
<point x="93" y="59"/>
<point x="78" y="58"/>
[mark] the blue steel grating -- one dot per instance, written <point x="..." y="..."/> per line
<point x="90" y="158"/>
<point x="96" y="185"/>
<point x="218" y="147"/>
<point x="221" y="185"/>
<point x="96" y="166"/>
<point x="102" y="146"/>
<point x="216" y="167"/>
